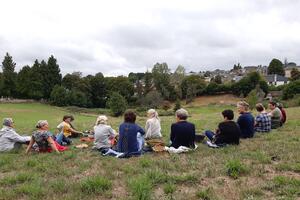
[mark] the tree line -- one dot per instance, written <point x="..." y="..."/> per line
<point x="44" y="81"/>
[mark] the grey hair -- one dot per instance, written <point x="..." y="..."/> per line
<point x="41" y="123"/>
<point x="7" y="121"/>
<point x="182" y="114"/>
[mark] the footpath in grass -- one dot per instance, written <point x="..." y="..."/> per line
<point x="265" y="167"/>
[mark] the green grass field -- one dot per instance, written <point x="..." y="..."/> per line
<point x="265" y="167"/>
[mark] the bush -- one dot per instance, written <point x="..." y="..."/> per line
<point x="77" y="98"/>
<point x="177" y="105"/>
<point x="152" y="100"/>
<point x="117" y="104"/>
<point x="235" y="168"/>
<point x="291" y="89"/>
<point x="59" y="96"/>
<point x="252" y="98"/>
<point x="166" y="105"/>
<point x="96" y="185"/>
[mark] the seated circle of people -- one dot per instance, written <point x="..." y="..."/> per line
<point x="245" y="120"/>
<point x="42" y="139"/>
<point x="275" y="114"/>
<point x="262" y="120"/>
<point x="66" y="131"/>
<point x="228" y="131"/>
<point x="182" y="132"/>
<point x="9" y="138"/>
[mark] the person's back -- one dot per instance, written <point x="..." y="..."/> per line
<point x="183" y="134"/>
<point x="275" y="118"/>
<point x="263" y="123"/>
<point x="229" y="133"/>
<point x="128" y="142"/>
<point x="41" y="139"/>
<point x="102" y="135"/>
<point x="246" y="123"/>
<point x="153" y="129"/>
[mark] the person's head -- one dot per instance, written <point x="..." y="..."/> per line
<point x="42" y="125"/>
<point x="228" y="114"/>
<point x="102" y="119"/>
<point x="151" y="113"/>
<point x="242" y="106"/>
<point x="259" y="107"/>
<point x="272" y="105"/>
<point x="8" y="122"/>
<point x="181" y="114"/>
<point x="129" y="116"/>
<point x="68" y="118"/>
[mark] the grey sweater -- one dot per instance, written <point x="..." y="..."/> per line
<point x="9" y="137"/>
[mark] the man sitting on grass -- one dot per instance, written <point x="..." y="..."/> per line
<point x="228" y="131"/>
<point x="275" y="115"/>
<point x="262" y="120"/>
<point x="245" y="120"/>
<point x="9" y="139"/>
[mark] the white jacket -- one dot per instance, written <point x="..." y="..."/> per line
<point x="8" y="138"/>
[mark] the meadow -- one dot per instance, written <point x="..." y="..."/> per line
<point x="265" y="167"/>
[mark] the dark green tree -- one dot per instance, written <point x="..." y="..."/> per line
<point x="9" y="77"/>
<point x="276" y="67"/>
<point x="77" y="98"/>
<point x="121" y="85"/>
<point x="24" y="82"/>
<point x="291" y="89"/>
<point x="117" y="104"/>
<point x="192" y="86"/>
<point x="59" y="96"/>
<point x="36" y="80"/>
<point x="98" y="90"/>
<point x="148" y="82"/>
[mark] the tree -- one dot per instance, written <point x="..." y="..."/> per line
<point x="291" y="89"/>
<point x="295" y="74"/>
<point x="152" y="100"/>
<point x="117" y="104"/>
<point x="177" y="78"/>
<point x="237" y="67"/>
<point x="50" y="75"/>
<point x="148" y="82"/>
<point x="24" y="82"/>
<point x="36" y="81"/>
<point x="192" y="86"/>
<point x="217" y="79"/>
<point x="121" y="85"/>
<point x="77" y="98"/>
<point x="276" y="67"/>
<point x="98" y="90"/>
<point x="161" y="77"/>
<point x="9" y="77"/>
<point x="59" y="96"/>
<point x="177" y="105"/>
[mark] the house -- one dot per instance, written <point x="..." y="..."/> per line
<point x="288" y="69"/>
<point x="237" y="78"/>
<point x="249" y="69"/>
<point x="275" y="79"/>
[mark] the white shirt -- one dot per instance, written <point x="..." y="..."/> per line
<point x="153" y="129"/>
<point x="8" y="138"/>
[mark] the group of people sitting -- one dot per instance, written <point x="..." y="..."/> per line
<point x="133" y="140"/>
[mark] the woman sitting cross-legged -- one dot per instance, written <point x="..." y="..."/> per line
<point x="104" y="135"/>
<point x="182" y="132"/>
<point x="228" y="131"/>
<point x="44" y="139"/>
<point x="130" y="136"/>
<point x="153" y="137"/>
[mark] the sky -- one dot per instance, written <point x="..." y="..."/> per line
<point x="116" y="37"/>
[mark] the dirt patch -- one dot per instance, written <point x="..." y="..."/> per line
<point x="225" y="99"/>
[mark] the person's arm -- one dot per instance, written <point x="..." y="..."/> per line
<point x="18" y="138"/>
<point x="112" y="132"/>
<point x="75" y="131"/>
<point x="30" y="145"/>
<point x="52" y="144"/>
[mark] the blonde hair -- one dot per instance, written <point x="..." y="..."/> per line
<point x="102" y="119"/>
<point x="153" y="113"/>
<point x="41" y="123"/>
<point x="243" y="104"/>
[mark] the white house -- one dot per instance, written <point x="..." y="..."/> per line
<point x="275" y="79"/>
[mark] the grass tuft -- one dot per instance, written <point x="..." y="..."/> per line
<point x="95" y="185"/>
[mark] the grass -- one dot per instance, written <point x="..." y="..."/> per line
<point x="265" y="167"/>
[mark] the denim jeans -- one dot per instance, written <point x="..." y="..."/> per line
<point x="209" y="134"/>
<point x="61" y="139"/>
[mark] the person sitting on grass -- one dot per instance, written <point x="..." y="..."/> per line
<point x="9" y="138"/>
<point x="275" y="115"/>
<point x="182" y="132"/>
<point x="283" y="112"/>
<point x="262" y="120"/>
<point x="44" y="139"/>
<point x="228" y="131"/>
<point x="245" y="120"/>
<point x="153" y="135"/>
<point x="130" y="143"/>
<point x="66" y="131"/>
<point x="103" y="134"/>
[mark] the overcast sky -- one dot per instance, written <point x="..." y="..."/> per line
<point x="116" y="37"/>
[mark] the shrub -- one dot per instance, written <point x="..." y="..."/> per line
<point x="166" y="105"/>
<point x="177" y="105"/>
<point x="235" y="168"/>
<point x="77" y="98"/>
<point x="152" y="100"/>
<point x="252" y="98"/>
<point x="59" y="96"/>
<point x="95" y="185"/>
<point x="291" y="89"/>
<point x="117" y="104"/>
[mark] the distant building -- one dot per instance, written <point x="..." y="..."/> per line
<point x="288" y="69"/>
<point x="275" y="79"/>
<point x="249" y="69"/>
<point x="237" y="78"/>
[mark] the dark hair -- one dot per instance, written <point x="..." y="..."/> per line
<point x="273" y="103"/>
<point x="129" y="116"/>
<point x="259" y="107"/>
<point x="68" y="116"/>
<point x="228" y="114"/>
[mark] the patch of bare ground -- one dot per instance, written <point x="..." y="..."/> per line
<point x="224" y="99"/>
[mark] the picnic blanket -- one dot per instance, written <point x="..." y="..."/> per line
<point x="181" y="149"/>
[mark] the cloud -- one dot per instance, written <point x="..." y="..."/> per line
<point x="116" y="37"/>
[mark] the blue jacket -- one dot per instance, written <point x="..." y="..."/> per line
<point x="246" y="123"/>
<point x="128" y="137"/>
